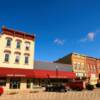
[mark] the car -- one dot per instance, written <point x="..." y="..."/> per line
<point x="1" y="90"/>
<point x="98" y="85"/>
<point x="55" y="88"/>
<point x="89" y="87"/>
<point x="75" y="85"/>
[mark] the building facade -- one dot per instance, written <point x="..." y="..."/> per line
<point x="18" y="71"/>
<point x="91" y="64"/>
<point x="78" y="61"/>
<point x="98" y="67"/>
<point x="16" y="49"/>
<point x="16" y="59"/>
<point x="83" y="65"/>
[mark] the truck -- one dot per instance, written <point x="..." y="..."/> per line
<point x="75" y="85"/>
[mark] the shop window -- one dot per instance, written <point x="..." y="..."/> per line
<point x="14" y="83"/>
<point x="17" y="58"/>
<point x="27" y="45"/>
<point x="36" y="81"/>
<point x="28" y="83"/>
<point x="18" y="45"/>
<point x="26" y="59"/>
<point x="6" y="59"/>
<point x="8" y="44"/>
<point x="2" y="81"/>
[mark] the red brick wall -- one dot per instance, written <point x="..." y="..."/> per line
<point x="91" y="64"/>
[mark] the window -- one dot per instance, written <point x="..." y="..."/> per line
<point x="6" y="57"/>
<point x="17" y="58"/>
<point x="91" y="67"/>
<point x="27" y="46"/>
<point x="2" y="81"/>
<point x="8" y="44"/>
<point x="18" y="46"/>
<point x="26" y="59"/>
<point x="88" y="67"/>
<point x="28" y="83"/>
<point x="94" y="68"/>
<point x="75" y="65"/>
<point x="78" y="64"/>
<point x="15" y="83"/>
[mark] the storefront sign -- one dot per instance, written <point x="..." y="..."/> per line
<point x="16" y="75"/>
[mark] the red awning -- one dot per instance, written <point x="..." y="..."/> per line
<point x="53" y="74"/>
<point x="14" y="72"/>
<point x="28" y="73"/>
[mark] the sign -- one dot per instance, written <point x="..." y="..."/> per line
<point x="16" y="75"/>
<point x="79" y="74"/>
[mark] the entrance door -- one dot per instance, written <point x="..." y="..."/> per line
<point x="15" y="83"/>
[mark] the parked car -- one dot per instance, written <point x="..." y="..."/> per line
<point x="1" y="90"/>
<point x="98" y="85"/>
<point x="76" y="85"/>
<point x="55" y="88"/>
<point x="89" y="87"/>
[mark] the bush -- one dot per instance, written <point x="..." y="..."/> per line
<point x="89" y="87"/>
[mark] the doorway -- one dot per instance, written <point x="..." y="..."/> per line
<point x="15" y="83"/>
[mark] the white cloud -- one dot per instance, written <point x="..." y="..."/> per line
<point x="59" y="41"/>
<point x="90" y="37"/>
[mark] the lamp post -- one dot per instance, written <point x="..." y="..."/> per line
<point x="56" y="71"/>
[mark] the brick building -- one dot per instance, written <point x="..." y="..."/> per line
<point x="91" y="64"/>
<point x="98" y="67"/>
<point x="77" y="60"/>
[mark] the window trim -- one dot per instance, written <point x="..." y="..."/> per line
<point x="17" y="44"/>
<point x="25" y="59"/>
<point x="7" y="58"/>
<point x="17" y="55"/>
<point x="27" y="46"/>
<point x="8" y="45"/>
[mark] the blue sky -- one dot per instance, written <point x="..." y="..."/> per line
<point x="61" y="26"/>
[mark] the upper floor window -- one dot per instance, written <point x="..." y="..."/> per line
<point x="8" y="43"/>
<point x="7" y="56"/>
<point x="88" y="67"/>
<point x="17" y="58"/>
<point x="26" y="59"/>
<point x="27" y="45"/>
<point x="18" y="45"/>
<point x="94" y="67"/>
<point x="78" y="64"/>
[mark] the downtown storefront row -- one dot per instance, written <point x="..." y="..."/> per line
<point x="26" y="79"/>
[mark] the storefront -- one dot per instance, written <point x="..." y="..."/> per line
<point x="25" y="79"/>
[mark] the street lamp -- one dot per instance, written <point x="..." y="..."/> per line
<point x="56" y="71"/>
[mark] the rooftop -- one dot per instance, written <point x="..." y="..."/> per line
<point x="17" y="33"/>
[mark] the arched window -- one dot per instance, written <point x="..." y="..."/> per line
<point x="26" y="61"/>
<point x="17" y="58"/>
<point x="27" y="45"/>
<point x="18" y="44"/>
<point x="7" y="56"/>
<point x="8" y="42"/>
